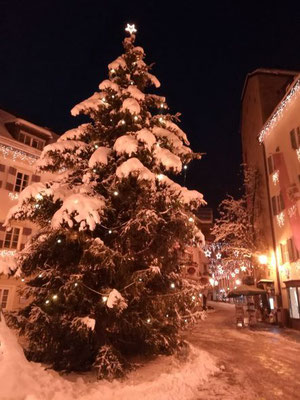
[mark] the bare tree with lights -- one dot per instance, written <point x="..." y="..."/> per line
<point x="235" y="231"/>
<point x="103" y="272"/>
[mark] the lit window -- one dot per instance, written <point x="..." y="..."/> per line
<point x="3" y="298"/>
<point x="21" y="182"/>
<point x="11" y="238"/>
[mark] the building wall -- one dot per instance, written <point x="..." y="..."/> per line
<point x="283" y="177"/>
<point x="15" y="158"/>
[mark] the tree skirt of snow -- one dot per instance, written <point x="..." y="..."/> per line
<point x="165" y="378"/>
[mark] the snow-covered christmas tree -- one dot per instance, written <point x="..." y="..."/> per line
<point x="103" y="272"/>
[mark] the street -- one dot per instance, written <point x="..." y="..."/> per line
<point x="257" y="364"/>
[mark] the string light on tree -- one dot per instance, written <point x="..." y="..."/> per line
<point x="172" y="285"/>
<point x="104" y="299"/>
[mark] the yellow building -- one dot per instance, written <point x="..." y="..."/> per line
<point x="21" y="143"/>
<point x="271" y="143"/>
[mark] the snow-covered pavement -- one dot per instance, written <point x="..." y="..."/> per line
<point x="257" y="364"/>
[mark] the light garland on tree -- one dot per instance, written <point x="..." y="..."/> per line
<point x="278" y="114"/>
<point x="16" y="154"/>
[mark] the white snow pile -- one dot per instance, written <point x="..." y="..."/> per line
<point x="91" y="103"/>
<point x="74" y="134"/>
<point x="99" y="156"/>
<point x="107" y="84"/>
<point x="116" y="300"/>
<point x="88" y="322"/>
<point x="153" y="80"/>
<point x="126" y="144"/>
<point x="7" y="261"/>
<point x="135" y="167"/>
<point x="118" y="63"/>
<point x="85" y="210"/>
<point x="147" y="137"/>
<point x="131" y="105"/>
<point x="165" y="378"/>
<point x="134" y="92"/>
<point x="168" y="159"/>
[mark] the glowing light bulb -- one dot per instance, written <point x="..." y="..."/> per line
<point x="161" y="119"/>
<point x="112" y="96"/>
<point x="54" y="297"/>
<point x="112" y="70"/>
<point x="103" y="99"/>
<point x="160" y="177"/>
<point x="76" y="284"/>
<point x="47" y="301"/>
<point x="185" y="167"/>
<point x="148" y="320"/>
<point x="136" y="118"/>
<point x="40" y="275"/>
<point x="104" y="299"/>
<point x="94" y="170"/>
<point x="238" y="282"/>
<point x="193" y="297"/>
<point x="58" y="240"/>
<point x="162" y="105"/>
<point x="122" y="122"/>
<point x="191" y="219"/>
<point x="110" y="231"/>
<point x="39" y="196"/>
<point x="116" y="193"/>
<point x="96" y="146"/>
<point x="23" y="280"/>
<point x="172" y="286"/>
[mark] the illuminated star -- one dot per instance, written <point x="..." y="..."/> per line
<point x="243" y="268"/>
<point x="218" y="256"/>
<point x="130" y="28"/>
<point x="207" y="253"/>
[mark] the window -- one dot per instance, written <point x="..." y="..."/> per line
<point x="295" y="138"/>
<point x="294" y="302"/>
<point x="271" y="165"/>
<point x="277" y="204"/>
<point x="12" y="238"/>
<point x="31" y="140"/>
<point x="3" y="297"/>
<point x="21" y="182"/>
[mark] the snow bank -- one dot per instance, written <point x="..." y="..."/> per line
<point x="165" y="378"/>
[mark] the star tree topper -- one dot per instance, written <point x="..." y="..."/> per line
<point x="131" y="29"/>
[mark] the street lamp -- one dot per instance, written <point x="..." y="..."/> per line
<point x="263" y="259"/>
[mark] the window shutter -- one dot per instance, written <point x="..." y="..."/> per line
<point x="293" y="139"/>
<point x="9" y="186"/>
<point x="290" y="246"/>
<point x="35" y="178"/>
<point x="282" y="206"/>
<point x="298" y="137"/>
<point x="2" y="228"/>
<point x="12" y="171"/>
<point x="282" y="253"/>
<point x="2" y="168"/>
<point x="27" y="231"/>
<point x="270" y="164"/>
<point x="274" y="205"/>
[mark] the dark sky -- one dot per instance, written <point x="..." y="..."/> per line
<point x="55" y="53"/>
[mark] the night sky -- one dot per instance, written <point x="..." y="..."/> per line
<point x="55" y="53"/>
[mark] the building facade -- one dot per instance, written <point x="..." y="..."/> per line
<point x="21" y="143"/>
<point x="270" y="130"/>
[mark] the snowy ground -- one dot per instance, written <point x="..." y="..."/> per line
<point x="258" y="364"/>
<point x="165" y="378"/>
<point x="225" y="363"/>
